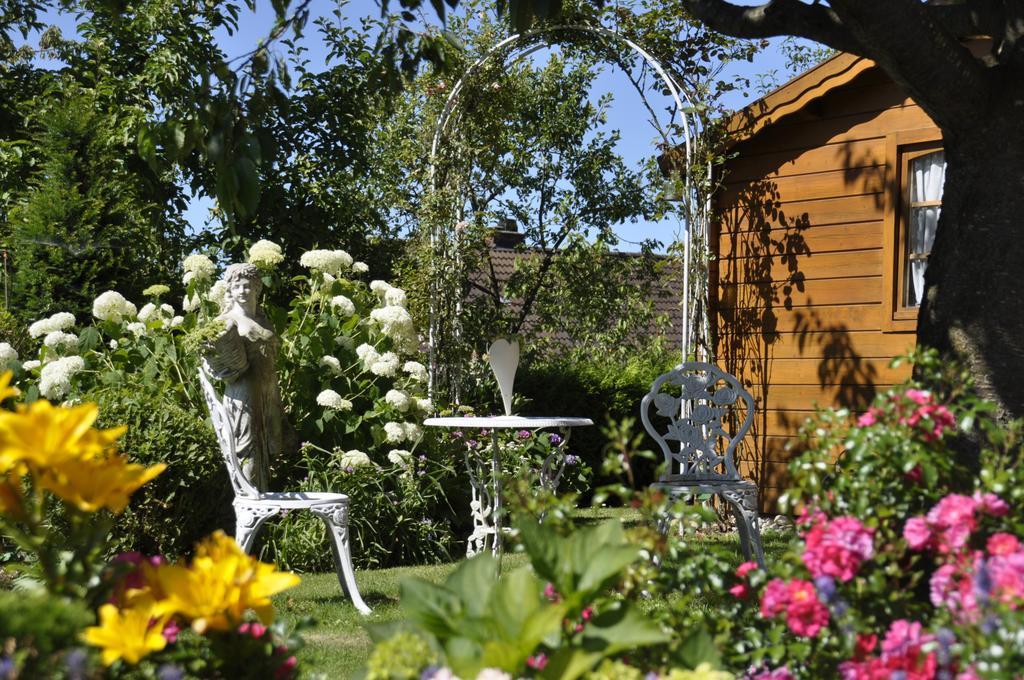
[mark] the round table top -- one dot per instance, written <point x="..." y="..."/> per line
<point x="508" y="422"/>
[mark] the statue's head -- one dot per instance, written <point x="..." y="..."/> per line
<point x="243" y="286"/>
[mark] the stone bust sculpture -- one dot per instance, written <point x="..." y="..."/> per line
<point x="244" y="358"/>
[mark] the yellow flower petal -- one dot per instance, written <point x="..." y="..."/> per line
<point x="129" y="634"/>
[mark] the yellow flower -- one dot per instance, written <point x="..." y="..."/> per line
<point x="6" y="391"/>
<point x="94" y="483"/>
<point x="11" y="497"/>
<point x="704" y="671"/>
<point x="128" y="634"/>
<point x="221" y="585"/>
<point x="42" y="434"/>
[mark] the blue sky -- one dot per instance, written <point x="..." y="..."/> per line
<point x="627" y="113"/>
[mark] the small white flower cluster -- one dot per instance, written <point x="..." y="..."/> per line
<point x="137" y="328"/>
<point x="8" y="356"/>
<point x="353" y="458"/>
<point x="424" y="405"/>
<point x="333" y="400"/>
<point x="360" y="267"/>
<point x="55" y="379"/>
<point x="396" y="323"/>
<point x="265" y="254"/>
<point x="32" y="364"/>
<point x="332" y="363"/>
<point x="398" y="400"/>
<point x="343" y="305"/>
<point x="388" y="293"/>
<point x="198" y="267"/>
<point x="151" y="312"/>
<point x="385" y="365"/>
<point x="59" y="341"/>
<point x="332" y="262"/>
<point x="396" y="433"/>
<point x="156" y="290"/>
<point x="60" y="321"/>
<point x="399" y="457"/>
<point x="112" y="306"/>
<point x="416" y="371"/>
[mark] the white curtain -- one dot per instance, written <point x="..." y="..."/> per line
<point x="927" y="175"/>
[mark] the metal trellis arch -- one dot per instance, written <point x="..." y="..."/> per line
<point x="695" y="202"/>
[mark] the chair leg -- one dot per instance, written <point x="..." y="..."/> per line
<point x="748" y="522"/>
<point x="249" y="519"/>
<point x="336" y="518"/>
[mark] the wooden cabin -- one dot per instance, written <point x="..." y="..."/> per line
<point x="824" y="221"/>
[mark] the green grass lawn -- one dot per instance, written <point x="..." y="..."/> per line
<point x="337" y="645"/>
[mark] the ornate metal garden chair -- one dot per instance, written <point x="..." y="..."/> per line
<point x="253" y="509"/>
<point x="695" y="405"/>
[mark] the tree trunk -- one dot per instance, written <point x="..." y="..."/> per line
<point x="973" y="308"/>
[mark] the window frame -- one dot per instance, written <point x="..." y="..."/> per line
<point x="901" y="148"/>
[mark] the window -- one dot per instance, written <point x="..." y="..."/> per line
<point x="916" y="173"/>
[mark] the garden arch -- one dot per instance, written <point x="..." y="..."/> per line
<point x="695" y="332"/>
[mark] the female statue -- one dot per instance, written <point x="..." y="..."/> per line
<point x="247" y="352"/>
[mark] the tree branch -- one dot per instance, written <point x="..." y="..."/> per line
<point x="968" y="18"/>
<point x="923" y="57"/>
<point x="775" y="18"/>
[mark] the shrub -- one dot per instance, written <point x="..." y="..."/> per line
<point x="40" y="633"/>
<point x="192" y="498"/>
<point x="15" y="333"/>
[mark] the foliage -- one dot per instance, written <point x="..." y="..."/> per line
<point x="553" y="617"/>
<point x="191" y="499"/>
<point x="14" y="333"/>
<point x="41" y="631"/>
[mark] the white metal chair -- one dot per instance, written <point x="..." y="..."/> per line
<point x="253" y="509"/>
<point x="694" y="402"/>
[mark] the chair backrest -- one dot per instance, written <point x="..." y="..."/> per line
<point x="695" y="404"/>
<point x="225" y="437"/>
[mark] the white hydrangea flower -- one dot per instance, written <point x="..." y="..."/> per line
<point x="60" y="341"/>
<point x="328" y="279"/>
<point x="333" y="400"/>
<point x="188" y="277"/>
<point x="399" y="457"/>
<point x="55" y="379"/>
<point x="8" y="356"/>
<point x="416" y="371"/>
<point x="147" y="312"/>
<point x="332" y="363"/>
<point x="177" y="321"/>
<point x="354" y="458"/>
<point x="265" y="254"/>
<point x="395" y="296"/>
<point x="397" y="399"/>
<point x="190" y="303"/>
<point x="396" y="323"/>
<point x="386" y="365"/>
<point x="113" y="344"/>
<point x="360" y="267"/>
<point x="57" y="322"/>
<point x="137" y="328"/>
<point x="156" y="290"/>
<point x="166" y="309"/>
<point x="343" y="305"/>
<point x="332" y="262"/>
<point x="112" y="306"/>
<point x="31" y="364"/>
<point x="394" y="433"/>
<point x="425" y="405"/>
<point x="412" y="431"/>
<point x="200" y="266"/>
<point x="217" y="294"/>
<point x="368" y="355"/>
<point x="379" y="287"/>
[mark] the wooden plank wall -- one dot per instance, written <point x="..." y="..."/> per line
<point x="798" y="279"/>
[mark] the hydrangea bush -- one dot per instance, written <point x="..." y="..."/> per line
<point x="351" y="376"/>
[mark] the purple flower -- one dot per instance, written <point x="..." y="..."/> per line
<point x="571" y="460"/>
<point x="523" y="434"/>
<point x="826" y="587"/>
<point x="169" y="672"/>
<point x="472" y="443"/>
<point x="457" y="434"/>
<point x="350" y="469"/>
<point x="423" y="458"/>
<point x="555" y="439"/>
<point x="74" y="660"/>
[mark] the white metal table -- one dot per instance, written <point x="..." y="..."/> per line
<point x="485" y="477"/>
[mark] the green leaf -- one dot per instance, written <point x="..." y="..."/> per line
<point x="698" y="648"/>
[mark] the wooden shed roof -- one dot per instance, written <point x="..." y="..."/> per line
<point x="795" y="95"/>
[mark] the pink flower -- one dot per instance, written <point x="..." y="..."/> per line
<point x="868" y="419"/>
<point x="838" y="548"/>
<point x="920" y="397"/>
<point x="991" y="504"/>
<point x="587" y="613"/>
<point x="774" y="598"/>
<point x="1007" y="576"/>
<point x="902" y="637"/>
<point x="917" y="533"/>
<point x="745" y="568"/>
<point x="170" y="631"/>
<point x="953" y="519"/>
<point x="767" y="674"/>
<point x="739" y="591"/>
<point x="805" y="613"/>
<point x="1002" y="544"/>
<point x="551" y="594"/>
<point x="952" y="587"/>
<point x="538" y="661"/>
<point x="286" y="669"/>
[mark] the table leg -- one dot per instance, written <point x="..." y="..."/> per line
<point x="496" y="483"/>
<point x="485" y="502"/>
<point x="554" y="465"/>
